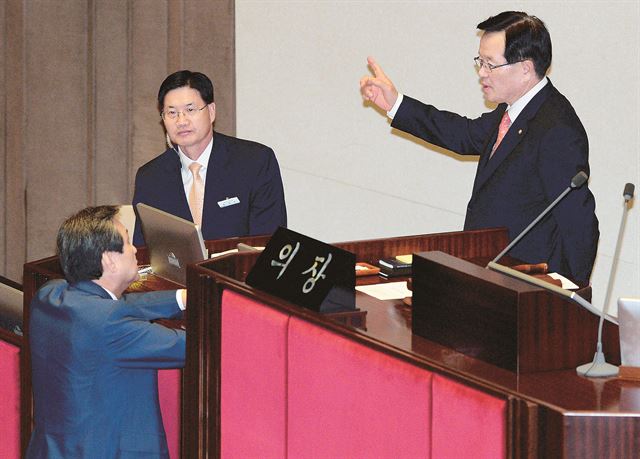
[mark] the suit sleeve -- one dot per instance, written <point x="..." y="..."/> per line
<point x="135" y="342"/>
<point x="445" y="129"/>
<point x="564" y="151"/>
<point x="267" y="209"/>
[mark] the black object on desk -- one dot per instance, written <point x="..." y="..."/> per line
<point x="307" y="272"/>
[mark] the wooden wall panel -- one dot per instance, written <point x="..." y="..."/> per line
<point x="57" y="119"/>
<point x="3" y="136"/>
<point x="111" y="53"/>
<point x="14" y="242"/>
<point x="80" y="112"/>
<point x="148" y="69"/>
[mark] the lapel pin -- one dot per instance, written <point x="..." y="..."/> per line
<point x="519" y="131"/>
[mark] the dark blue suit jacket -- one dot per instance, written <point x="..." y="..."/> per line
<point x="544" y="148"/>
<point x="237" y="168"/>
<point x="94" y="364"/>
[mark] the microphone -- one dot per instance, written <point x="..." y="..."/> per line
<point x="627" y="194"/>
<point x="599" y="367"/>
<point x="576" y="182"/>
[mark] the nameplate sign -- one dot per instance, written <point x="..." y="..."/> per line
<point x="306" y="272"/>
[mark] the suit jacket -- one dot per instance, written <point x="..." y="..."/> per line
<point x="544" y="148"/>
<point x="237" y="168"/>
<point x="94" y="365"/>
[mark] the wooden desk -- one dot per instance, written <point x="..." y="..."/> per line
<point x="551" y="414"/>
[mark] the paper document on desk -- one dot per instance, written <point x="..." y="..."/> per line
<point x="386" y="291"/>
<point x="566" y="283"/>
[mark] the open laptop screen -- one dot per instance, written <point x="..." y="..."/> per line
<point x="173" y="242"/>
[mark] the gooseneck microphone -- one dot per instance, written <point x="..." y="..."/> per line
<point x="627" y="194"/>
<point x="576" y="182"/>
<point x="599" y="367"/>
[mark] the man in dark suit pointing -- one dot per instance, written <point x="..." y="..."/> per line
<point x="530" y="146"/>
<point x="228" y="186"/>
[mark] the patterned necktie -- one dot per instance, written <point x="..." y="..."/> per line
<point x="502" y="130"/>
<point x="196" y="195"/>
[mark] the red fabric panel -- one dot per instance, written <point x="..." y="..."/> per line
<point x="169" y="392"/>
<point x="253" y="388"/>
<point x="9" y="401"/>
<point x="346" y="400"/>
<point x="467" y="422"/>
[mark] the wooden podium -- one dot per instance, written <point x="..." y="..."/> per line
<point x="501" y="320"/>
<point x="550" y="412"/>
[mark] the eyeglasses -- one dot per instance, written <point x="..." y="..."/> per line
<point x="188" y="112"/>
<point x="480" y="62"/>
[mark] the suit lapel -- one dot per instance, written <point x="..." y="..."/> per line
<point x="215" y="177"/>
<point x="172" y="186"/>
<point x="514" y="136"/>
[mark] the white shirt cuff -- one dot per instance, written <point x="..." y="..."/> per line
<point x="392" y="113"/>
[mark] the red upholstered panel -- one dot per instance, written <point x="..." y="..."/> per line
<point x="467" y="422"/>
<point x="253" y="389"/>
<point x="169" y="391"/>
<point x="9" y="401"/>
<point x="346" y="400"/>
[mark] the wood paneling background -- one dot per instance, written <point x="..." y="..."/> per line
<point x="78" y="86"/>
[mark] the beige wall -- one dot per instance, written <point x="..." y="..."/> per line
<point x="78" y="82"/>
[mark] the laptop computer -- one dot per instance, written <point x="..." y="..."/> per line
<point x="173" y="243"/>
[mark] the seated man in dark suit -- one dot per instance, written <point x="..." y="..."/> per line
<point x="530" y="146"/>
<point x="94" y="351"/>
<point x="228" y="186"/>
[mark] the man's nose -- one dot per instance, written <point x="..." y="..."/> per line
<point x="182" y="118"/>
<point x="483" y="71"/>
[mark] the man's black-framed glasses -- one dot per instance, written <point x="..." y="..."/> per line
<point x="480" y="62"/>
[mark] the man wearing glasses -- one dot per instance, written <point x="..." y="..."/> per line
<point x="228" y="186"/>
<point x="530" y="146"/>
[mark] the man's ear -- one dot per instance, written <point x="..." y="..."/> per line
<point x="528" y="67"/>
<point x="211" y="108"/>
<point x="109" y="265"/>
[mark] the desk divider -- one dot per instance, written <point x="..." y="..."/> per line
<point x="170" y="395"/>
<point x="9" y="400"/>
<point x="290" y="388"/>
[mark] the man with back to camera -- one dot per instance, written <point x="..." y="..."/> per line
<point x="228" y="186"/>
<point x="530" y="146"/>
<point x="94" y="351"/>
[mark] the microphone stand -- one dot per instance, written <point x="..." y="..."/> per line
<point x="599" y="367"/>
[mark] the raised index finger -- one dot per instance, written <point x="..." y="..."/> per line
<point x="377" y="70"/>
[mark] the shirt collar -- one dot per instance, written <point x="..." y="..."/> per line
<point x="111" y="294"/>
<point x="517" y="107"/>
<point x="203" y="159"/>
